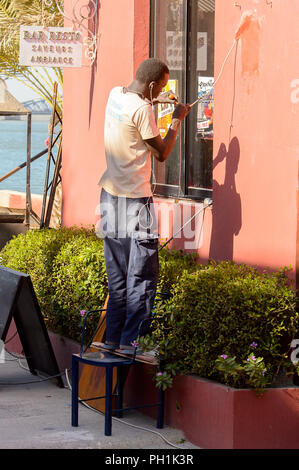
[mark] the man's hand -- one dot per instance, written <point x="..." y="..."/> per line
<point x="166" y="98"/>
<point x="163" y="147"/>
<point x="181" y="111"/>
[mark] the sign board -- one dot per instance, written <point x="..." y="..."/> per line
<point x="50" y="47"/>
<point x="18" y="302"/>
<point x="165" y="110"/>
<point x="175" y="50"/>
<point x="202" y="51"/>
<point x="205" y="107"/>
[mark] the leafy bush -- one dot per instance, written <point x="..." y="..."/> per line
<point x="41" y="253"/>
<point x="33" y="253"/>
<point x="79" y="283"/>
<point x="224" y="321"/>
<point x="224" y="313"/>
<point x="68" y="273"/>
<point x="171" y="265"/>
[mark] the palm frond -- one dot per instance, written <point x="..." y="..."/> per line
<point x="13" y="14"/>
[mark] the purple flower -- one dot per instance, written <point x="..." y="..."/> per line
<point x="159" y="373"/>
<point x="253" y="345"/>
<point x="82" y="313"/>
<point x="134" y="344"/>
<point x="252" y="358"/>
<point x="224" y="356"/>
<point x="263" y="373"/>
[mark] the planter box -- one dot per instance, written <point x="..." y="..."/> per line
<point x="211" y="415"/>
<point x="63" y="347"/>
<point x="214" y="416"/>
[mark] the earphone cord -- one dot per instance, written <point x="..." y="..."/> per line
<point x="151" y="94"/>
<point x="146" y="205"/>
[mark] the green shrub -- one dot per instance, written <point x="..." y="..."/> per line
<point x="171" y="265"/>
<point x="224" y="321"/>
<point x="79" y="283"/>
<point x="230" y="310"/>
<point x="33" y="253"/>
<point x="36" y="252"/>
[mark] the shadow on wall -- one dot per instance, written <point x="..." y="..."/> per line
<point x="227" y="210"/>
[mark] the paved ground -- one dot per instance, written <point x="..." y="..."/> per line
<point x="38" y="416"/>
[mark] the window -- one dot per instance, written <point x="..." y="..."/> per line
<point x="182" y="35"/>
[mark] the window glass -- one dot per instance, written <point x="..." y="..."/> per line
<point x="183" y="37"/>
<point x="201" y="85"/>
<point x="170" y="46"/>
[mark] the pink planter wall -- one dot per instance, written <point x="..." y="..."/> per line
<point x="63" y="347"/>
<point x="211" y="415"/>
<point x="214" y="416"/>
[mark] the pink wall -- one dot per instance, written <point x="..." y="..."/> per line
<point x="255" y="184"/>
<point x="254" y="215"/>
<point x="85" y="94"/>
<point x="123" y="43"/>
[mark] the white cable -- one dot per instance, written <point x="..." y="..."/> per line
<point x="202" y="222"/>
<point x="196" y="101"/>
<point x="190" y="220"/>
<point x="22" y="366"/>
<point x="200" y="99"/>
<point x="17" y="358"/>
<point x="149" y="212"/>
<point x="219" y="75"/>
<point x="10" y="360"/>
<point x="121" y="420"/>
<point x="224" y="62"/>
<point x="146" y="205"/>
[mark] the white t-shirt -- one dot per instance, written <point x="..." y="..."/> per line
<point x="129" y="121"/>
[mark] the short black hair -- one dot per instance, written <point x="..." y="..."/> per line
<point x="151" y="70"/>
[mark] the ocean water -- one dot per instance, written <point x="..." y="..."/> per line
<point x="13" y="152"/>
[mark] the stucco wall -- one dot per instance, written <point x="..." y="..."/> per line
<point x="254" y="215"/>
<point x="257" y="127"/>
<point x="85" y="93"/>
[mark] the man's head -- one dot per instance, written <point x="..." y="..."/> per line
<point x="153" y="74"/>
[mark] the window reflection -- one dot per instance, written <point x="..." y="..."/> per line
<point x="184" y="38"/>
<point x="201" y="86"/>
<point x="170" y="46"/>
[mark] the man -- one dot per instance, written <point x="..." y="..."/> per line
<point x="127" y="222"/>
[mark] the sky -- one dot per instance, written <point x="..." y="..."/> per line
<point x="22" y="92"/>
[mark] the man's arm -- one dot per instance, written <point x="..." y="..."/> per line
<point x="162" y="147"/>
<point x="168" y="97"/>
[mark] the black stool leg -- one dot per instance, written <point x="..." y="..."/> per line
<point x="160" y="418"/>
<point x="108" y="401"/>
<point x="119" y="393"/>
<point x="75" y="402"/>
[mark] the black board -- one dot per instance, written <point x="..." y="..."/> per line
<point x="18" y="301"/>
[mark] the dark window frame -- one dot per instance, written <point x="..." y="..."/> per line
<point x="181" y="191"/>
